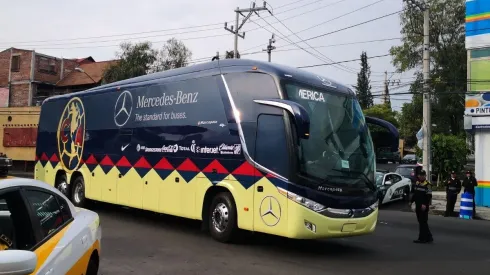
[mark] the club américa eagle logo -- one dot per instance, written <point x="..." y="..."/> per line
<point x="71" y="135"/>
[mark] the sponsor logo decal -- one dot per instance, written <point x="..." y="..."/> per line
<point x="71" y="135"/>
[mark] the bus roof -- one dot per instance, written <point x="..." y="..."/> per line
<point x="225" y="65"/>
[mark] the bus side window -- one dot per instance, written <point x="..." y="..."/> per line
<point x="271" y="150"/>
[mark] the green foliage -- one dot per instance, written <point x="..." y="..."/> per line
<point x="382" y="111"/>
<point x="139" y="59"/>
<point x="449" y="153"/>
<point x="174" y="54"/>
<point x="363" y="87"/>
<point x="134" y="60"/>
<point x="448" y="65"/>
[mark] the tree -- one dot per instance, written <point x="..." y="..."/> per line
<point x="382" y="111"/>
<point x="174" y="54"/>
<point x="134" y="60"/>
<point x="363" y="87"/>
<point x="140" y="59"/>
<point x="410" y="117"/>
<point x="449" y="153"/>
<point x="448" y="60"/>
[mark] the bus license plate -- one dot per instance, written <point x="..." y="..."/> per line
<point x="349" y="227"/>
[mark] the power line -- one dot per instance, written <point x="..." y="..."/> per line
<point x="353" y="26"/>
<point x="339" y="62"/>
<point x="330" y="20"/>
<point x="147" y="32"/>
<point x="347" y="69"/>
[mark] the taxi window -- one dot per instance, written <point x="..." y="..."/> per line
<point x="47" y="209"/>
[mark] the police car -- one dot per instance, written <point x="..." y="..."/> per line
<point x="392" y="187"/>
<point x="41" y="232"/>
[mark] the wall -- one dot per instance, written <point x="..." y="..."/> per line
<point x="21" y="117"/>
<point x="4" y="68"/>
<point x="482" y="173"/>
<point x="44" y="76"/>
<point x="24" y="74"/>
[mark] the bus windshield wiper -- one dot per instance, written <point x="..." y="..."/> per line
<point x="368" y="182"/>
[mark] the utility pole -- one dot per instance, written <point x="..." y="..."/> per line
<point x="426" y="123"/>
<point x="270" y="48"/>
<point x="386" y="88"/>
<point x="236" y="29"/>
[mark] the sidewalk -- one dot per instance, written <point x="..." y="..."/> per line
<point x="438" y="206"/>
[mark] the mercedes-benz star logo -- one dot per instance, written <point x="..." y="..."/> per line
<point x="270" y="211"/>
<point x="123" y="108"/>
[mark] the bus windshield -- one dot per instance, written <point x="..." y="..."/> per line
<point x="339" y="150"/>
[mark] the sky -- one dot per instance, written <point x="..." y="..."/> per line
<point x="73" y="29"/>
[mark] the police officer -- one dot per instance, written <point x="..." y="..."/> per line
<point x="422" y="197"/>
<point x="469" y="184"/>
<point x="453" y="187"/>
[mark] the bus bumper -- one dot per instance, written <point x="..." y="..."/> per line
<point x="304" y="223"/>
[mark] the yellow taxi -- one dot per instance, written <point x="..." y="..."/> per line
<point x="42" y="232"/>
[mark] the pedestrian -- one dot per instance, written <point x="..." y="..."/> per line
<point x="469" y="184"/>
<point x="422" y="197"/>
<point x="453" y="188"/>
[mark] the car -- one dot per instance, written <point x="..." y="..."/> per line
<point x="409" y="159"/>
<point x="42" y="232"/>
<point x="392" y="187"/>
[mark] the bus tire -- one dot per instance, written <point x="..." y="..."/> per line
<point x="61" y="183"/>
<point x="78" y="192"/>
<point x="223" y="218"/>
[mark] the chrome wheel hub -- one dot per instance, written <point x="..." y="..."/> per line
<point x="63" y="187"/>
<point x="78" y="193"/>
<point x="220" y="217"/>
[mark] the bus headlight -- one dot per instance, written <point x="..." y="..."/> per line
<point x="315" y="206"/>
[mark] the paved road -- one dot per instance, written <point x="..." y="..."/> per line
<point x="137" y="242"/>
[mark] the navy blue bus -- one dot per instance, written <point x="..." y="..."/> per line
<point x="238" y="144"/>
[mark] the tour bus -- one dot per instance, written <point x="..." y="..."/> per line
<point x="238" y="144"/>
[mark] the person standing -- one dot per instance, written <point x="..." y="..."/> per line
<point x="422" y="197"/>
<point x="453" y="188"/>
<point x="469" y="184"/>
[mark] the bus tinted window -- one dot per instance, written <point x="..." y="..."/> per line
<point x="271" y="150"/>
<point x="245" y="87"/>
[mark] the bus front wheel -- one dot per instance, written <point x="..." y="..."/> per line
<point x="223" y="218"/>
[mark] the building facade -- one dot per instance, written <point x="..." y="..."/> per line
<point x="477" y="102"/>
<point x="28" y="77"/>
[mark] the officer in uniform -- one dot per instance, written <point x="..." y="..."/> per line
<point x="469" y="184"/>
<point x="422" y="197"/>
<point x="453" y="187"/>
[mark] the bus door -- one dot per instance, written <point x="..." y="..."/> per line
<point x="271" y="151"/>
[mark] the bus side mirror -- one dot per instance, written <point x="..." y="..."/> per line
<point x="300" y="115"/>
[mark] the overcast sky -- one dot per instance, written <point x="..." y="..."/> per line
<point x="67" y="29"/>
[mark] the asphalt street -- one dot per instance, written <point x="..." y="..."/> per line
<point x="139" y="242"/>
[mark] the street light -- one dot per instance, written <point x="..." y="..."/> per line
<point x="78" y="69"/>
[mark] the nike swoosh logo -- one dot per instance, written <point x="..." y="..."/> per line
<point x="124" y="147"/>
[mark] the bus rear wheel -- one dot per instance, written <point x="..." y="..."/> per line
<point x="223" y="218"/>
<point x="78" y="192"/>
